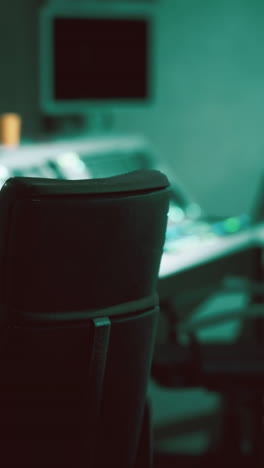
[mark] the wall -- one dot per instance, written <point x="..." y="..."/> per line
<point x="207" y="119"/>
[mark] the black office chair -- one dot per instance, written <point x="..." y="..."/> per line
<point x="78" y="270"/>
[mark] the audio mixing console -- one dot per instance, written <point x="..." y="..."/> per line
<point x="106" y="156"/>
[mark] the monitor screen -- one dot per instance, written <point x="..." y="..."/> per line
<point x="94" y="58"/>
<point x="98" y="58"/>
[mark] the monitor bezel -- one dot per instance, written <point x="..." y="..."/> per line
<point x="48" y="103"/>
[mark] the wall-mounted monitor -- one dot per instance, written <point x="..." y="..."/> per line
<point x="95" y="55"/>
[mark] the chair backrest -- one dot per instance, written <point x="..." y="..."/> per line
<point x="79" y="264"/>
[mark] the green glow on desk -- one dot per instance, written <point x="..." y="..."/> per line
<point x="232" y="224"/>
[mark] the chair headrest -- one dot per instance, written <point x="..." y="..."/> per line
<point x="136" y="181"/>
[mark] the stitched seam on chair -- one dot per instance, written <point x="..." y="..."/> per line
<point x="126" y="308"/>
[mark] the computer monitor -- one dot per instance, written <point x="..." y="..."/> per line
<point x="95" y="56"/>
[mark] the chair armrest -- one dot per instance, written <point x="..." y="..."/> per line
<point x="243" y="285"/>
<point x="247" y="313"/>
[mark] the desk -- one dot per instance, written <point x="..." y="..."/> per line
<point x="209" y="261"/>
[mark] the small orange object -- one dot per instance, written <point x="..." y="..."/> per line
<point x="10" y="129"/>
